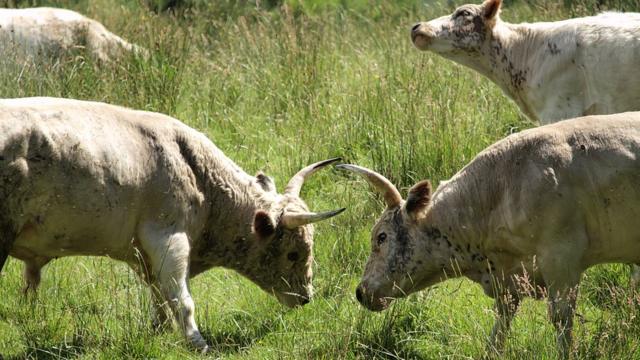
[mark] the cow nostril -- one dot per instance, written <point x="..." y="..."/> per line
<point x="359" y="295"/>
<point x="415" y="27"/>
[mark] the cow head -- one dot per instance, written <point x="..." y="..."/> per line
<point x="284" y="234"/>
<point x="405" y="256"/>
<point x="464" y="31"/>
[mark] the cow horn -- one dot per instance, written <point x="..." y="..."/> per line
<point x="294" y="220"/>
<point x="295" y="184"/>
<point x="391" y="195"/>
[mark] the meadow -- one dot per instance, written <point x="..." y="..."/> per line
<point x="277" y="86"/>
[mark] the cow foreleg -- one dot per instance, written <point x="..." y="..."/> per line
<point x="561" y="272"/>
<point x="506" y="306"/>
<point x="561" y="309"/>
<point x="169" y="257"/>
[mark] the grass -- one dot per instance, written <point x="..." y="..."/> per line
<point x="276" y="88"/>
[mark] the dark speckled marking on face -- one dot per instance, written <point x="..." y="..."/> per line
<point x="403" y="250"/>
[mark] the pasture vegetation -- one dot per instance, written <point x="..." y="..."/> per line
<point x="277" y="87"/>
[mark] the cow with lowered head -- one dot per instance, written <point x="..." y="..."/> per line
<point x="526" y="217"/>
<point x="49" y="33"/>
<point x="87" y="178"/>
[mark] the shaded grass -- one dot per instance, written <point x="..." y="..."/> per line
<point x="276" y="90"/>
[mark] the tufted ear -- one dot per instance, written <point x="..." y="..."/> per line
<point x="265" y="182"/>
<point x="490" y="8"/>
<point x="263" y="225"/>
<point x="418" y="198"/>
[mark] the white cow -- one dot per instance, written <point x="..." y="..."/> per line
<point x="552" y="70"/>
<point x="86" y="178"/>
<point x="526" y="217"/>
<point x="49" y="32"/>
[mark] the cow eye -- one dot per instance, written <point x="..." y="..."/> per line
<point x="293" y="256"/>
<point x="381" y="238"/>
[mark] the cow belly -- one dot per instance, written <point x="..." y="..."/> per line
<point x="64" y="233"/>
<point x="55" y="223"/>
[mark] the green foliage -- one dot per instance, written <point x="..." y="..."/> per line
<point x="277" y="87"/>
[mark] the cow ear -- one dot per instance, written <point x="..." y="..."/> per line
<point x="419" y="197"/>
<point x="265" y="182"/>
<point x="263" y="225"/>
<point x="490" y="8"/>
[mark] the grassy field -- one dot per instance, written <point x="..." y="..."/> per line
<point x="277" y="88"/>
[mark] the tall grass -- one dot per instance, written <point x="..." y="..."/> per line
<point x="276" y="88"/>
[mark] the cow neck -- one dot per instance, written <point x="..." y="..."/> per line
<point x="455" y="217"/>
<point x="233" y="199"/>
<point x="507" y="58"/>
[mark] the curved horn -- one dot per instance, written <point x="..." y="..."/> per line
<point x="294" y="220"/>
<point x="391" y="195"/>
<point x="295" y="184"/>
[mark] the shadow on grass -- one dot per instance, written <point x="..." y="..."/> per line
<point x="383" y="346"/>
<point x="246" y="332"/>
<point x="392" y="338"/>
<point x="60" y="351"/>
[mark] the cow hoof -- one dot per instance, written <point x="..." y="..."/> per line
<point x="199" y="344"/>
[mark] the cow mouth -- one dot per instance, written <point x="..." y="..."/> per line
<point x="421" y="39"/>
<point x="371" y="301"/>
<point x="378" y="304"/>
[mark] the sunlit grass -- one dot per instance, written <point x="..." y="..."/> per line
<point x="277" y="89"/>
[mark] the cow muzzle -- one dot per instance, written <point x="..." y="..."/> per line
<point x="370" y="300"/>
<point x="422" y="35"/>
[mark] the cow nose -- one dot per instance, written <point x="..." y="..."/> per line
<point x="359" y="294"/>
<point x="304" y="301"/>
<point x="415" y="28"/>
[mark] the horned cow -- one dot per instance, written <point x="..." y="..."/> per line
<point x="87" y="178"/>
<point x="44" y="33"/>
<point x="552" y="70"/>
<point x="524" y="218"/>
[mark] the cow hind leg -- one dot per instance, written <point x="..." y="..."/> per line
<point x="168" y="253"/>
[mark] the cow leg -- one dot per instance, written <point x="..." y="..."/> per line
<point x="635" y="276"/>
<point x="506" y="306"/>
<point x="7" y="238"/>
<point x="561" y="310"/>
<point x="31" y="274"/>
<point x="561" y="272"/>
<point x="161" y="312"/>
<point x="4" y="255"/>
<point x="168" y="254"/>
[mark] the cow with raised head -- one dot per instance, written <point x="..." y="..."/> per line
<point x="526" y="217"/>
<point x="87" y="178"/>
<point x="552" y="70"/>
